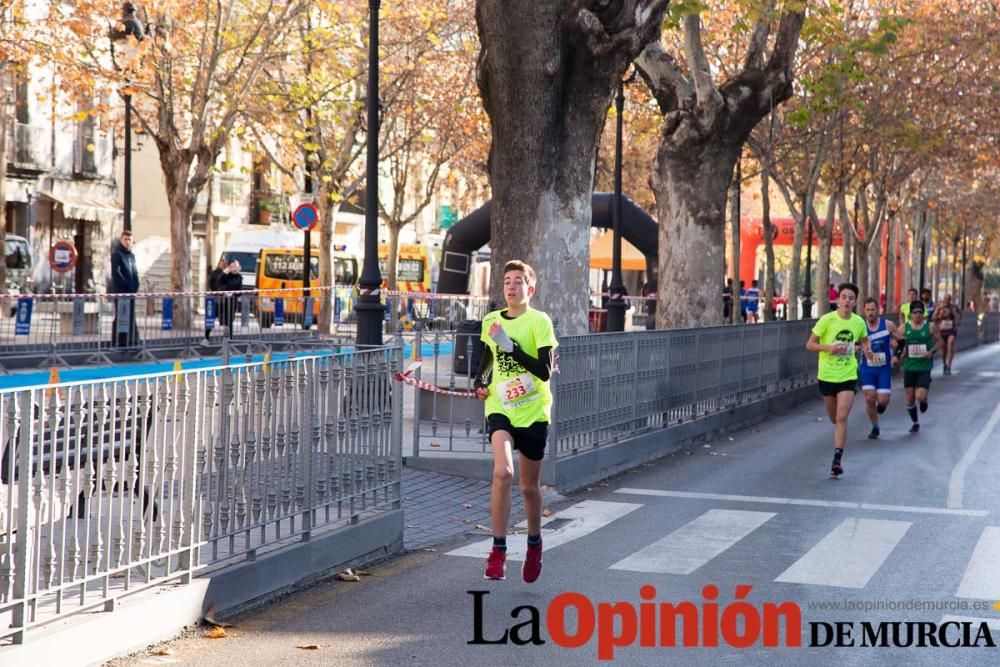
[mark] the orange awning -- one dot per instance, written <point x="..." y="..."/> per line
<point x="600" y="254"/>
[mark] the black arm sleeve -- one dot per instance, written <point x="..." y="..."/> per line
<point x="538" y="367"/>
<point x="485" y="369"/>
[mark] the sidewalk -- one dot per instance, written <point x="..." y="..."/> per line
<point x="438" y="508"/>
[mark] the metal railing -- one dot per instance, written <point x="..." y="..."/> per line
<point x="111" y="487"/>
<point x="617" y="385"/>
<point x="54" y="326"/>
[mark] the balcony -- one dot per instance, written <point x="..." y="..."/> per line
<point x="30" y="147"/>
<point x="267" y="207"/>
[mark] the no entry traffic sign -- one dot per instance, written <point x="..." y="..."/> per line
<point x="305" y="216"/>
<point x="62" y="256"/>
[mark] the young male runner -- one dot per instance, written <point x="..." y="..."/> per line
<point x="947" y="318"/>
<point x="876" y="375"/>
<point x="513" y="379"/>
<point x="836" y="336"/>
<point x="922" y="341"/>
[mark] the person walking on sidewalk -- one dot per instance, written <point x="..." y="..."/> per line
<point x="836" y="337"/>
<point x="513" y="380"/>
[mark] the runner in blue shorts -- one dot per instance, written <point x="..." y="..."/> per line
<point x="876" y="374"/>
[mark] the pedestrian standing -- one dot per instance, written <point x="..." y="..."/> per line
<point x="215" y="285"/>
<point x="230" y="283"/>
<point x="513" y="380"/>
<point x="124" y="280"/>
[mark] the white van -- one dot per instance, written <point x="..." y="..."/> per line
<point x="245" y="247"/>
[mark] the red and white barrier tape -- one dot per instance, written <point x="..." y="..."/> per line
<point x="406" y="377"/>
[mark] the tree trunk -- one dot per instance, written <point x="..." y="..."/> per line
<point x="875" y="265"/>
<point x="734" y="226"/>
<point x="3" y="187"/>
<point x="768" y="230"/>
<point x="690" y="190"/>
<point x="848" y="247"/>
<point x="795" y="271"/>
<point x="823" y="274"/>
<point x="326" y="212"/>
<point x="975" y="282"/>
<point x="392" y="261"/>
<point x="180" y="257"/>
<point x="890" y="265"/>
<point x="546" y="74"/>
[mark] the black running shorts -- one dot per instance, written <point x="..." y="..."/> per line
<point x="834" y="388"/>
<point x="529" y="440"/>
<point x="917" y="379"/>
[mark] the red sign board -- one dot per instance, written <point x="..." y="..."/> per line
<point x="62" y="256"/>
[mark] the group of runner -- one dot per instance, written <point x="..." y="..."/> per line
<point x="923" y="330"/>
<point x="519" y="359"/>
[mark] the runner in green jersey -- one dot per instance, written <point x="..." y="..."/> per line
<point x="922" y="341"/>
<point x="836" y="336"/>
<point x="513" y="380"/>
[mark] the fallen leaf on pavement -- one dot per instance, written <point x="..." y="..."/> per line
<point x="546" y="512"/>
<point x="467" y="506"/>
<point x="216" y="633"/>
<point x="348" y="575"/>
<point x="164" y="650"/>
<point x="412" y="525"/>
<point x="481" y="527"/>
<point x="363" y="573"/>
<point x="309" y="647"/>
<point x="429" y="549"/>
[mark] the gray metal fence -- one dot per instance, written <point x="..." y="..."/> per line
<point x="110" y="487"/>
<point x="83" y="329"/>
<point x="611" y="386"/>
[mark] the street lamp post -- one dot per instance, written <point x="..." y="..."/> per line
<point x="369" y="308"/>
<point x="616" y="300"/>
<point x="131" y="27"/>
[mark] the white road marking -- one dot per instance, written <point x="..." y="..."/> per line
<point x="982" y="576"/>
<point x="956" y="486"/>
<point x="695" y="543"/>
<point x="849" y="555"/>
<point x="585" y="518"/>
<point x="843" y="504"/>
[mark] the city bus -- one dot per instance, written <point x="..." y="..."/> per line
<point x="281" y="269"/>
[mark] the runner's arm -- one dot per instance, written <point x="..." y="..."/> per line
<point x="894" y="331"/>
<point x="482" y="379"/>
<point x="938" y="341"/>
<point x="538" y="367"/>
<point x="813" y="345"/>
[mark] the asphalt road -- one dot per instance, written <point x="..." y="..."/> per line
<point x="912" y="530"/>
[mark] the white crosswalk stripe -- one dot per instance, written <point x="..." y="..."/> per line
<point x="695" y="543"/>
<point x="849" y="555"/>
<point x="982" y="577"/>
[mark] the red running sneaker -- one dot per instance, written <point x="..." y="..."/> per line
<point x="532" y="567"/>
<point x="496" y="565"/>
